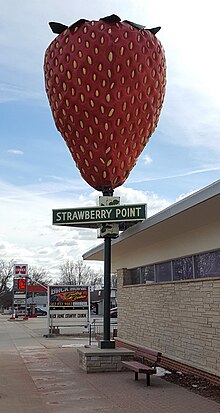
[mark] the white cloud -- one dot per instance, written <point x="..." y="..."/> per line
<point x="15" y="151"/>
<point x="10" y="92"/>
<point x="184" y="174"/>
<point x="10" y="250"/>
<point x="64" y="243"/>
<point x="147" y="159"/>
<point x="26" y="233"/>
<point x="153" y="201"/>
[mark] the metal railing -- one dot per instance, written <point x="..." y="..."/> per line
<point x="96" y="330"/>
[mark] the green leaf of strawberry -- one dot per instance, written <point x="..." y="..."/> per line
<point x="105" y="82"/>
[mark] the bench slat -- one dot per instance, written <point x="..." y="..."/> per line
<point x="139" y="367"/>
<point x="148" y="352"/>
<point x="148" y="356"/>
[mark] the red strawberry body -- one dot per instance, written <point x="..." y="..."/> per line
<point x="105" y="82"/>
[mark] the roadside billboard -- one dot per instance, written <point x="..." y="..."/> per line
<point x="69" y="308"/>
<point x="68" y="296"/>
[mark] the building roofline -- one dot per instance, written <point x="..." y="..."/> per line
<point x="190" y="201"/>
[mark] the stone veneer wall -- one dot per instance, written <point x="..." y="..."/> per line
<point x="180" y="319"/>
<point x="95" y="360"/>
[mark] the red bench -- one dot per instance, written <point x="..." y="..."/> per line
<point x="145" y="361"/>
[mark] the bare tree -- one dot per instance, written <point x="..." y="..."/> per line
<point x="39" y="276"/>
<point x="68" y="275"/>
<point x="78" y="273"/>
<point x="6" y="274"/>
<point x="96" y="280"/>
<point x="6" y="298"/>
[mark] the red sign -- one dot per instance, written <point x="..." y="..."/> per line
<point x="21" y="284"/>
<point x="20" y="270"/>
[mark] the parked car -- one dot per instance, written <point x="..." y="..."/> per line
<point x="114" y="312"/>
<point x="39" y="311"/>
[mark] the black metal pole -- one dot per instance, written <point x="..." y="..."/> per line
<point x="107" y="287"/>
<point x="106" y="342"/>
<point x="13" y="300"/>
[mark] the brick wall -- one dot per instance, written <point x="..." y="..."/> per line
<point x="181" y="319"/>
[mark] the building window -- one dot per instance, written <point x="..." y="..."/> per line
<point x="135" y="276"/>
<point x="183" y="268"/>
<point x="163" y="271"/>
<point x="147" y="274"/>
<point x="132" y="276"/>
<point x="207" y="265"/>
<point x="127" y="277"/>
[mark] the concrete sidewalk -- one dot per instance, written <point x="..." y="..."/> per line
<point x="39" y="375"/>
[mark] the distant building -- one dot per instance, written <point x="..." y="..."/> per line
<point x="97" y="300"/>
<point x="37" y="295"/>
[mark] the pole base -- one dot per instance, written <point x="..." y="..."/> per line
<point x="106" y="344"/>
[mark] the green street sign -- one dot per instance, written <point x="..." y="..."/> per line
<point x="92" y="217"/>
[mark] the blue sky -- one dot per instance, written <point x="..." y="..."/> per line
<point x="37" y="172"/>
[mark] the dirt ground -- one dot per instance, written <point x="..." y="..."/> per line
<point x="197" y="385"/>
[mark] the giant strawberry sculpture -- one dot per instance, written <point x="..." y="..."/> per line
<point x="105" y="82"/>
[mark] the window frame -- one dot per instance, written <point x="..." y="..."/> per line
<point x="141" y="268"/>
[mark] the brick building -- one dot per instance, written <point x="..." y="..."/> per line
<point x="168" y="271"/>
